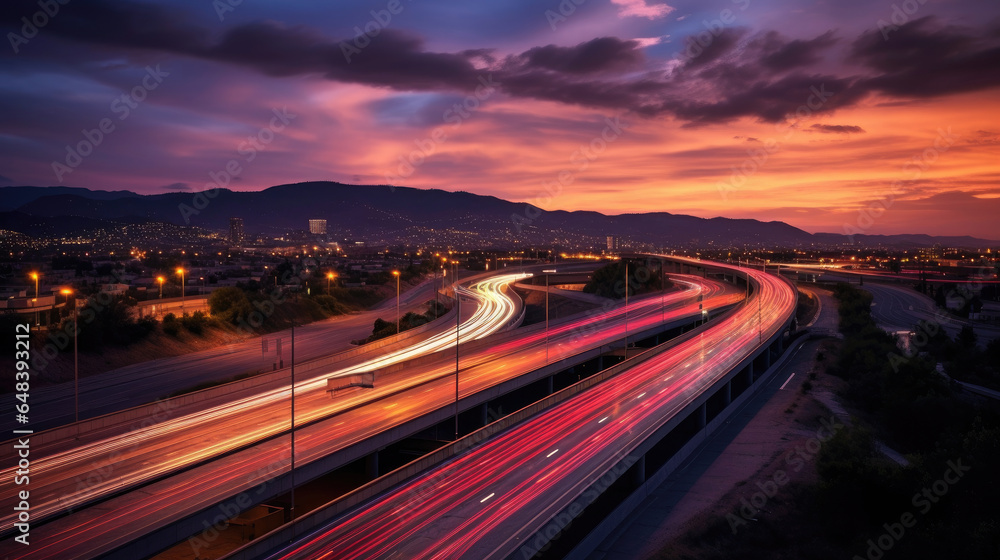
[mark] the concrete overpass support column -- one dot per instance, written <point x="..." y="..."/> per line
<point x="749" y="374"/>
<point x="639" y="472"/>
<point x="767" y="359"/>
<point x="371" y="465"/>
<point x="484" y="414"/>
<point x="727" y="392"/>
<point x="702" y="415"/>
<point x="550" y="385"/>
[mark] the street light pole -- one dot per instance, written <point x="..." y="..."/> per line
<point x="396" y="274"/>
<point x="76" y="363"/>
<point x="663" y="290"/>
<point x="626" y="309"/>
<point x="546" y="318"/>
<point x="34" y="276"/>
<point x="458" y="326"/>
<point x="292" y="510"/>
<point x="181" y="272"/>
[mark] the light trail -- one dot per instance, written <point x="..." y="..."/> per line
<point x="415" y="391"/>
<point x="527" y="488"/>
<point x="494" y="311"/>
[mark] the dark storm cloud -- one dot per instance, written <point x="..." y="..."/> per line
<point x="779" y="54"/>
<point x="924" y="58"/>
<point x="837" y="128"/>
<point x="721" y="44"/>
<point x="766" y="76"/>
<point x="111" y="23"/>
<point x="597" y="55"/>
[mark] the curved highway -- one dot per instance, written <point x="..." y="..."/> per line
<point x="489" y="501"/>
<point x="57" y="487"/>
<point x="396" y="400"/>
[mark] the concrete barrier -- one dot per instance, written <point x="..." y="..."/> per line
<point x="384" y="483"/>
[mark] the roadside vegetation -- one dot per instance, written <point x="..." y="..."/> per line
<point x="410" y="320"/>
<point x="860" y="504"/>
<point x="643" y="277"/>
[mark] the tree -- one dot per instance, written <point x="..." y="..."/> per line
<point x="229" y="304"/>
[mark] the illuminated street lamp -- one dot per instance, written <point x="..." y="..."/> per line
<point x="329" y="278"/>
<point x="181" y="272"/>
<point x="34" y="302"/>
<point x="396" y="274"/>
<point x="160" y="280"/>
<point x="76" y="368"/>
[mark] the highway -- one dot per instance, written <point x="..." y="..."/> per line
<point x="147" y="381"/>
<point x="898" y="308"/>
<point x="396" y="400"/>
<point x="60" y="470"/>
<point x="488" y="502"/>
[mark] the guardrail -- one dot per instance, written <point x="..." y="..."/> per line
<point x="386" y="482"/>
<point x="265" y="381"/>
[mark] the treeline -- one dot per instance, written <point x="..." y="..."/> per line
<point x="410" y="320"/>
<point x="643" y="277"/>
<point x="948" y="490"/>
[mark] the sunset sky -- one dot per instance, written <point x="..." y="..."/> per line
<point x="807" y="112"/>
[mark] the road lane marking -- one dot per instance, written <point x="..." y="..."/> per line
<point x="786" y="381"/>
<point x="487" y="497"/>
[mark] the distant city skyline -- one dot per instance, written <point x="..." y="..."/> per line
<point x="824" y="116"/>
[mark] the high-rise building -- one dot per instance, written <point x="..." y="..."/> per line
<point x="613" y="243"/>
<point x="237" y="236"/>
<point x="317" y="227"/>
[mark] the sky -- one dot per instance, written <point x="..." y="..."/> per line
<point x="847" y="116"/>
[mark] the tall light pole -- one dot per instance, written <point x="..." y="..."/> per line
<point x="663" y="290"/>
<point x="396" y="274"/>
<point x="292" y="473"/>
<point x="546" y="318"/>
<point x="160" y="280"/>
<point x="329" y="278"/>
<point x="34" y="302"/>
<point x="626" y="310"/>
<point x="76" y="363"/>
<point x="458" y="326"/>
<point x="181" y="272"/>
